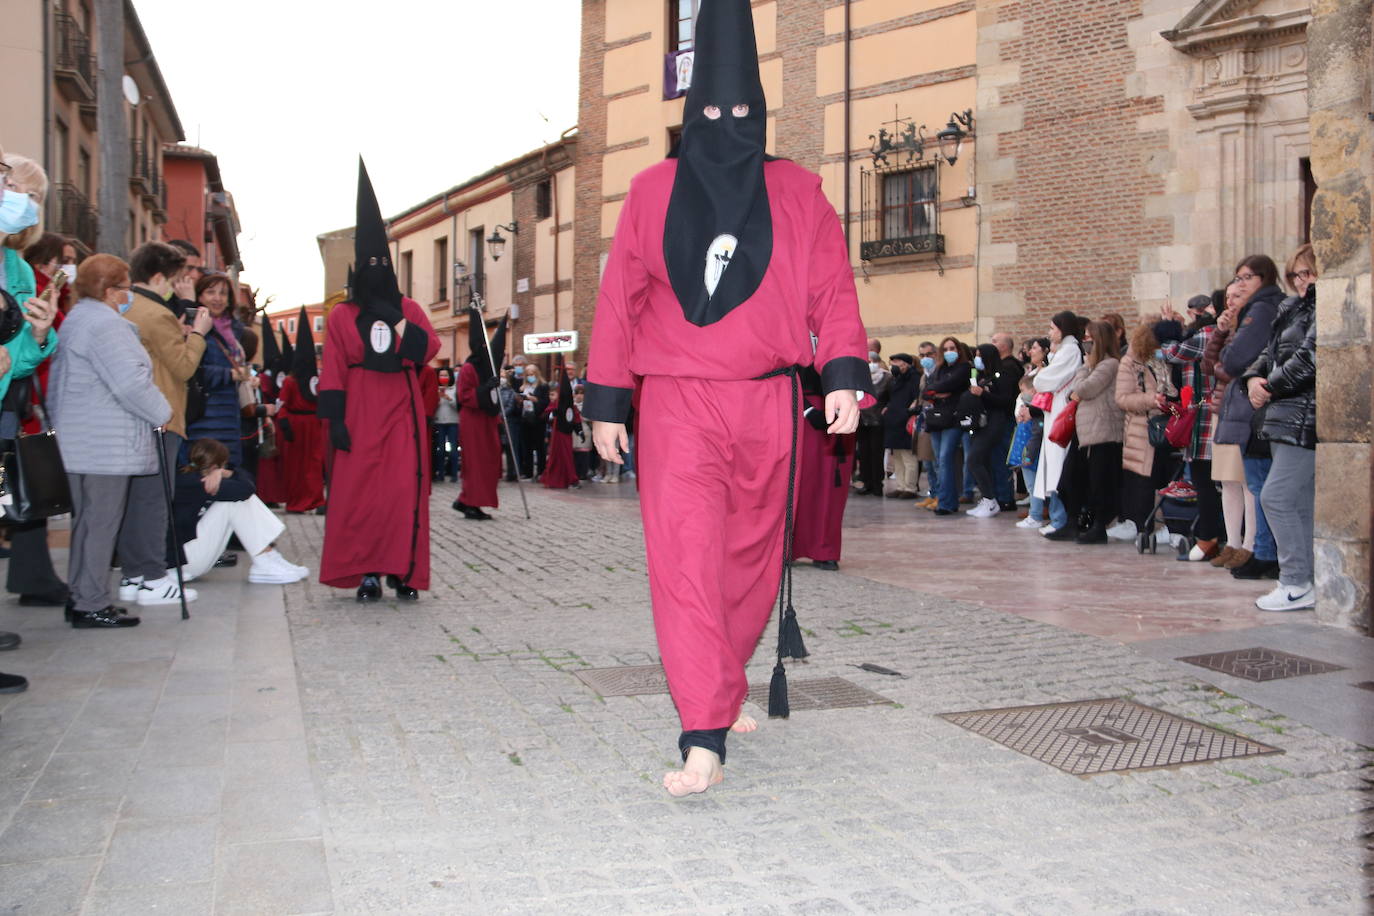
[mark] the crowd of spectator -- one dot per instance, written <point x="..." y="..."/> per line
<point x="1198" y="428"/>
<point x="143" y="369"/>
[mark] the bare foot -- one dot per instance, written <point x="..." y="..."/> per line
<point x="745" y="723"/>
<point x="701" y="771"/>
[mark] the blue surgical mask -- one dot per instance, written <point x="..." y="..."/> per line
<point x="128" y="302"/>
<point x="519" y="373"/>
<point x="17" y="212"/>
<point x="951" y="357"/>
<point x="978" y="363"/>
<point x="928" y="363"/>
<point x="1159" y="354"/>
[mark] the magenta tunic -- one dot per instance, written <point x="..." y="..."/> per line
<point x="822" y="491"/>
<point x="713" y="443"/>
<point x="479" y="436"/>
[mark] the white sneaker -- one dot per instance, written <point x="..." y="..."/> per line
<point x="1023" y="501"/>
<point x="1029" y="522"/>
<point x="986" y="508"/>
<point x="128" y="588"/>
<point x="1048" y="530"/>
<point x="1123" y="531"/>
<point x="597" y="478"/>
<point x="271" y="568"/>
<point x="1289" y="598"/>
<point x="163" y="591"/>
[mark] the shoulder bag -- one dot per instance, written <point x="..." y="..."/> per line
<point x="1065" y="425"/>
<point x="33" y="480"/>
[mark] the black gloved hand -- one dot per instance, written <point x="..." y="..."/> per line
<point x="338" y="436"/>
<point x="488" y="398"/>
<point x="284" y="427"/>
<point x="816" y="417"/>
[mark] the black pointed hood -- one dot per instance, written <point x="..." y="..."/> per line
<point x="372" y="285"/>
<point x="718" y="214"/>
<point x="477" y="345"/>
<point x="564" y="420"/>
<point x="270" y="355"/>
<point x="288" y="357"/>
<point x="303" y="366"/>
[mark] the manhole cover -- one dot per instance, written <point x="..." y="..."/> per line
<point x="625" y="681"/>
<point x="1260" y="664"/>
<point x="1105" y="736"/>
<point x="819" y="693"/>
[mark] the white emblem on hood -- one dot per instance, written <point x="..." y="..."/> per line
<point x="717" y="259"/>
<point x="315" y="386"/>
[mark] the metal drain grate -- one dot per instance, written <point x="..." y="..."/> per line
<point x="1105" y="736"/>
<point x="625" y="681"/>
<point x="1260" y="664"/>
<point x="820" y="693"/>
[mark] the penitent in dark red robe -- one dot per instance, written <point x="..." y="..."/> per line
<point x="822" y="490"/>
<point x="378" y="519"/>
<point x="271" y="477"/>
<point x="561" y="472"/>
<point x="480" y="438"/>
<point x="302" y="458"/>
<point x="713" y="442"/>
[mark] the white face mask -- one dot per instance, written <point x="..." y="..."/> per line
<point x="70" y="271"/>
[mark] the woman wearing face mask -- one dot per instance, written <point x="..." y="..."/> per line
<point x="104" y="407"/>
<point x="1282" y="384"/>
<point x="1056" y="378"/>
<point x="942" y="390"/>
<point x="534" y="401"/>
<point x="1256" y="284"/>
<point x="23" y="188"/>
<point x="998" y="386"/>
<point x="221" y="368"/>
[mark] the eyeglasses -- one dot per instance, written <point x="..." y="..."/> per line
<point x="1243" y="278"/>
<point x="1303" y="274"/>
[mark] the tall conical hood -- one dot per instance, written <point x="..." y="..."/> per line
<point x="303" y="365"/>
<point x="288" y="357"/>
<point x="477" y="344"/>
<point x="270" y="353"/>
<point x="564" y="420"/>
<point x="718" y="214"/>
<point x="498" y="344"/>
<point x="373" y="288"/>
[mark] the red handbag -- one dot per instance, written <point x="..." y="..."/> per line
<point x="1178" y="432"/>
<point x="1043" y="400"/>
<point x="1065" y="425"/>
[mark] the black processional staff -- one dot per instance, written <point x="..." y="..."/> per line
<point x="171" y="514"/>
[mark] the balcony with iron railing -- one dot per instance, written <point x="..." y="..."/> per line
<point x="73" y="63"/>
<point x="138" y="166"/>
<point x="73" y="216"/>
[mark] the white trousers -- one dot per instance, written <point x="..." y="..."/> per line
<point x="252" y="521"/>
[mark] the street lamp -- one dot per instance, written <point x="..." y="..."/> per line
<point x="951" y="139"/>
<point x="498" y="242"/>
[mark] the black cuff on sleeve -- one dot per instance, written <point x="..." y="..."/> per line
<point x="330" y="405"/>
<point x="414" y="342"/>
<point x="606" y="403"/>
<point x="846" y="373"/>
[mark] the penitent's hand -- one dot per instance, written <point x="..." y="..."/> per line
<point x="610" y="439"/>
<point x="842" y="410"/>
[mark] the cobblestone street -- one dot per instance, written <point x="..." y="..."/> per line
<point x="444" y="758"/>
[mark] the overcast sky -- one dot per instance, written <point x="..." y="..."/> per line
<point x="288" y="93"/>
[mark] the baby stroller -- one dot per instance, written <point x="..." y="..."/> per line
<point x="1176" y="509"/>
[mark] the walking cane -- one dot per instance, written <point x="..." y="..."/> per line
<point x="171" y="514"/>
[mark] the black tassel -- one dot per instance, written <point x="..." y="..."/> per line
<point x="790" y="643"/>
<point x="777" y="694"/>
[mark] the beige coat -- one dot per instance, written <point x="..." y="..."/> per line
<point x="175" y="356"/>
<point x="1099" y="420"/>
<point x="1136" y="389"/>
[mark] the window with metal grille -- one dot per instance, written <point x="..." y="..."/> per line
<point x="910" y="203"/>
<point x="543" y="199"/>
<point x="681" y="17"/>
<point x="441" y="269"/>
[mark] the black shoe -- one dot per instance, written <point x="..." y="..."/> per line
<point x="403" y="592"/>
<point x="945" y="512"/>
<point x="226" y="560"/>
<point x="826" y="564"/>
<point x="9" y="641"/>
<point x="1008" y="507"/>
<point x="56" y="599"/>
<point x="107" y="618"/>
<point x="1093" y="535"/>
<point x="370" y="589"/>
<point x="1067" y="533"/>
<point x="1254" y="568"/>
<point x="895" y="494"/>
<point x="13" y="683"/>
<point x="319" y="510"/>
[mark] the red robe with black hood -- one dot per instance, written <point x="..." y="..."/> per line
<point x="303" y="457"/>
<point x="378" y="519"/>
<point x="724" y="265"/>
<point x="479" y="414"/>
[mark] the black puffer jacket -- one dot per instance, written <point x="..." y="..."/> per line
<point x="896" y="413"/>
<point x="1253" y="328"/>
<point x="1289" y="367"/>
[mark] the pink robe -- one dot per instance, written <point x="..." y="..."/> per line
<point x="822" y="491"/>
<point x="712" y="441"/>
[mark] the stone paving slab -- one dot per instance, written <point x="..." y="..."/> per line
<point x="463" y="768"/>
